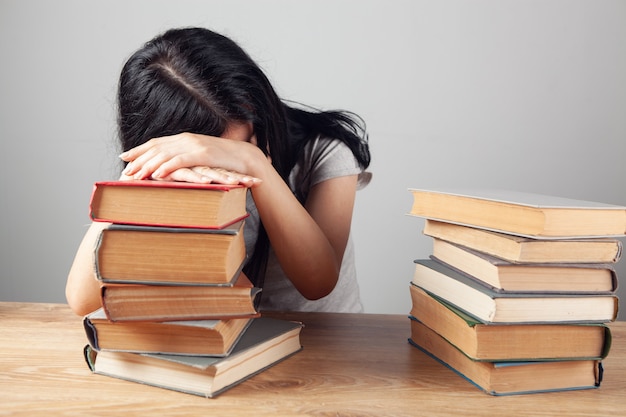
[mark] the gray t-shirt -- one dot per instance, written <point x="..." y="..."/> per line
<point x="321" y="160"/>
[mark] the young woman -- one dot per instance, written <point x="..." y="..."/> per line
<point x="194" y="107"/>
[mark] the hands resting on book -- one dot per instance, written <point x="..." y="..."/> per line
<point x="196" y="158"/>
<point x="202" y="175"/>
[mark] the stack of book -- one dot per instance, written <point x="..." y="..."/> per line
<point x="177" y="310"/>
<point x="519" y="288"/>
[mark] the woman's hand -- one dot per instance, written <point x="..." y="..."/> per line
<point x="193" y="158"/>
<point x="205" y="175"/>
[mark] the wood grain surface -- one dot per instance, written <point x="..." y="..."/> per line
<point x="350" y="365"/>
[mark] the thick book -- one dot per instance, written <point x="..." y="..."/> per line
<point x="489" y="306"/>
<point x="138" y="302"/>
<point x="507" y="276"/>
<point x="192" y="337"/>
<point x="508" y="378"/>
<point x="266" y="342"/>
<point x="167" y="203"/>
<point x="520" y="249"/>
<point x="153" y="255"/>
<point x="507" y="343"/>
<point x="524" y="214"/>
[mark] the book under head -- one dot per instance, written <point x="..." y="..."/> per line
<point x="167" y="203"/>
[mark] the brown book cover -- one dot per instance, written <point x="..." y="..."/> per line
<point x="163" y="255"/>
<point x="519" y="213"/>
<point x="266" y="342"/>
<point x="191" y="337"/>
<point x="130" y="302"/>
<point x="508" y="378"/>
<point x="167" y="203"/>
<point x="509" y="342"/>
<point x="489" y="306"/>
<point x="518" y="249"/>
<point x="502" y="275"/>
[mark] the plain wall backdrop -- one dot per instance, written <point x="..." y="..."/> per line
<point x="526" y="95"/>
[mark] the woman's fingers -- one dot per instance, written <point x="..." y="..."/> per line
<point x="190" y="157"/>
<point x="214" y="175"/>
<point x="160" y="157"/>
<point x="204" y="175"/>
<point x="145" y="159"/>
<point x="224" y="176"/>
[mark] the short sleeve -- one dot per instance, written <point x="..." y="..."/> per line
<point x="323" y="159"/>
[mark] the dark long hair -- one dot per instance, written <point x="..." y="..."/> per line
<point x="195" y="80"/>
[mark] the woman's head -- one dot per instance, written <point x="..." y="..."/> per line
<point x="195" y="80"/>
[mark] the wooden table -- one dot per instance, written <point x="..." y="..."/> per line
<point x="351" y="365"/>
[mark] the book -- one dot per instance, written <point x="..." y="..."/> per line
<point x="194" y="337"/>
<point x="502" y="275"/>
<point x="508" y="378"/>
<point x="167" y="203"/>
<point x="138" y="302"/>
<point x="512" y="342"/>
<point x="489" y="306"/>
<point x="518" y="249"/>
<point x="266" y="342"/>
<point x="524" y="214"/>
<point x="152" y="255"/>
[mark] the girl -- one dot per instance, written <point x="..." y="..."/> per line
<point x="194" y="107"/>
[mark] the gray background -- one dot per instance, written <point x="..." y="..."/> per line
<point x="526" y="95"/>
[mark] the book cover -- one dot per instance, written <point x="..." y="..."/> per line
<point x="167" y="203"/>
<point x="163" y="255"/>
<point x="130" y="302"/>
<point x="519" y="213"/>
<point x="518" y="249"/>
<point x="266" y="342"/>
<point x="192" y="337"/>
<point x="501" y="275"/>
<point x="489" y="306"/>
<point x="509" y="378"/>
<point x="508" y="342"/>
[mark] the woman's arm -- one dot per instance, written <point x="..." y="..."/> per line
<point x="82" y="289"/>
<point x="308" y="241"/>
